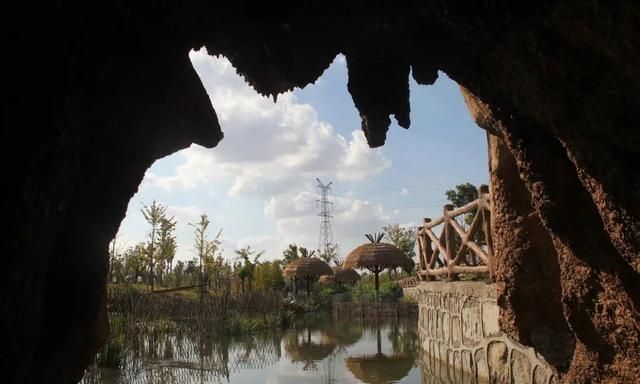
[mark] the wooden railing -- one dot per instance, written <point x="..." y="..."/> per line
<point x="409" y="282"/>
<point x="458" y="250"/>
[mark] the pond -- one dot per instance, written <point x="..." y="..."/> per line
<point x="313" y="351"/>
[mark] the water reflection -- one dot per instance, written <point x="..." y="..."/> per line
<point x="307" y="350"/>
<point x="321" y="351"/>
<point x="382" y="368"/>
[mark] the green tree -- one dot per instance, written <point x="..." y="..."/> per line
<point x="290" y="254"/>
<point x="219" y="273"/>
<point x="462" y="195"/>
<point x="205" y="249"/>
<point x="153" y="214"/>
<point x="304" y="252"/>
<point x="268" y="275"/>
<point x="134" y="260"/>
<point x="330" y="254"/>
<point x="192" y="271"/>
<point x="405" y="239"/>
<point x="166" y="248"/>
<point x="178" y="273"/>
<point x="247" y="268"/>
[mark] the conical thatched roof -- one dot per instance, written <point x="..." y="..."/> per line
<point x="375" y="255"/>
<point x="379" y="369"/>
<point x="345" y="275"/>
<point x="340" y="275"/>
<point x="307" y="267"/>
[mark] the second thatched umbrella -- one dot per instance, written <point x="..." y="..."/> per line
<point x="307" y="268"/>
<point x="375" y="256"/>
<point x="345" y="275"/>
<point x="340" y="275"/>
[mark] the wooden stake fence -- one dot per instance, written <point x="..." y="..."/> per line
<point x="457" y="250"/>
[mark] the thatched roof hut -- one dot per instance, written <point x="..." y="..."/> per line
<point x="375" y="257"/>
<point x="307" y="268"/>
<point x="340" y="275"/>
<point x="345" y="275"/>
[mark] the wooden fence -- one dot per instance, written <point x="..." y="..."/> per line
<point x="146" y="305"/>
<point x="409" y="282"/>
<point x="459" y="249"/>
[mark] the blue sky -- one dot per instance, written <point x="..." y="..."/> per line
<point x="258" y="184"/>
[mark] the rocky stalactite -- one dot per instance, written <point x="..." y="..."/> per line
<point x="373" y="62"/>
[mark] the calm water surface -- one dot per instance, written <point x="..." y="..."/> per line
<point x="322" y="351"/>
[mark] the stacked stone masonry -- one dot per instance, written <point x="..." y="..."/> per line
<point x="462" y="342"/>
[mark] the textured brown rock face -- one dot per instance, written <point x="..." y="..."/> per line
<point x="96" y="93"/>
<point x="85" y="126"/>
<point x="527" y="270"/>
<point x="589" y="284"/>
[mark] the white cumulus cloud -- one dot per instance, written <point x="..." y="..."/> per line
<point x="273" y="151"/>
<point x="268" y="147"/>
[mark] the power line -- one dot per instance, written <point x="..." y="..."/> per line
<point x="325" y="239"/>
<point x="431" y="186"/>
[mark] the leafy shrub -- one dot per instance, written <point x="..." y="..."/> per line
<point x="112" y="354"/>
<point x="390" y="291"/>
<point x="365" y="290"/>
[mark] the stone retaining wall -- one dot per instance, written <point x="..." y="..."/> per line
<point x="459" y="334"/>
<point x="355" y="310"/>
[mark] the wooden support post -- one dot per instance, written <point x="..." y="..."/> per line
<point x="450" y="241"/>
<point x="485" y="211"/>
<point x="421" y="261"/>
<point x="377" y="285"/>
<point x="428" y="251"/>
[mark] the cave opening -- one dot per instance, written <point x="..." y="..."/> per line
<point x="262" y="176"/>
<point x="257" y="186"/>
<point x="555" y="82"/>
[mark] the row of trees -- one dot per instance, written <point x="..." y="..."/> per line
<point x="153" y="261"/>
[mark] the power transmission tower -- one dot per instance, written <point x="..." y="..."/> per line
<point x="325" y="239"/>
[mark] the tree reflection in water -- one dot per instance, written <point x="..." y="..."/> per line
<point x="381" y="368"/>
<point x="320" y="351"/>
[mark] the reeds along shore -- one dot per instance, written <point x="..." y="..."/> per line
<point x="212" y="307"/>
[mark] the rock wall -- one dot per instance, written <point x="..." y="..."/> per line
<point x="525" y="259"/>
<point x="462" y="341"/>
